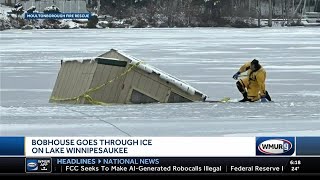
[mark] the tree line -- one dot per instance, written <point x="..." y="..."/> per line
<point x="204" y="12"/>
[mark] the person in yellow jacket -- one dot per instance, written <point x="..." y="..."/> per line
<point x="253" y="86"/>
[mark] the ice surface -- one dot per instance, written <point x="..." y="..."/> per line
<point x="206" y="58"/>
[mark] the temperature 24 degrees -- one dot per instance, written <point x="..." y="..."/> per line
<point x="295" y="168"/>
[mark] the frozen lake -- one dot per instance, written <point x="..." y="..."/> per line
<point x="206" y="58"/>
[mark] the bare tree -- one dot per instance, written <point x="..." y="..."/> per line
<point x="304" y="6"/>
<point x="295" y="12"/>
<point x="286" y="4"/>
<point x="270" y="13"/>
<point x="258" y="11"/>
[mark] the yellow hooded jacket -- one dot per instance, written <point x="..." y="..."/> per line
<point x="254" y="82"/>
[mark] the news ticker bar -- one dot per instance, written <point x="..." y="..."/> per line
<point x="163" y="165"/>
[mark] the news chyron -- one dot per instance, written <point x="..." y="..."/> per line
<point x="275" y="146"/>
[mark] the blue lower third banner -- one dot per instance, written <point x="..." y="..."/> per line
<point x="57" y="15"/>
<point x="308" y="146"/>
<point x="11" y="146"/>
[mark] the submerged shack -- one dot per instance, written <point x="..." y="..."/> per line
<point x="115" y="77"/>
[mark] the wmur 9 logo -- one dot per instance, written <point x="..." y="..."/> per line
<point x="275" y="145"/>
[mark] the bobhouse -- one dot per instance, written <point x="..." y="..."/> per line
<point x="115" y="77"/>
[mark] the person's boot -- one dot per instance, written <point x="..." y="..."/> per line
<point x="268" y="96"/>
<point x="245" y="97"/>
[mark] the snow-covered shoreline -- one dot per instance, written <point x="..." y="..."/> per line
<point x="10" y="20"/>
